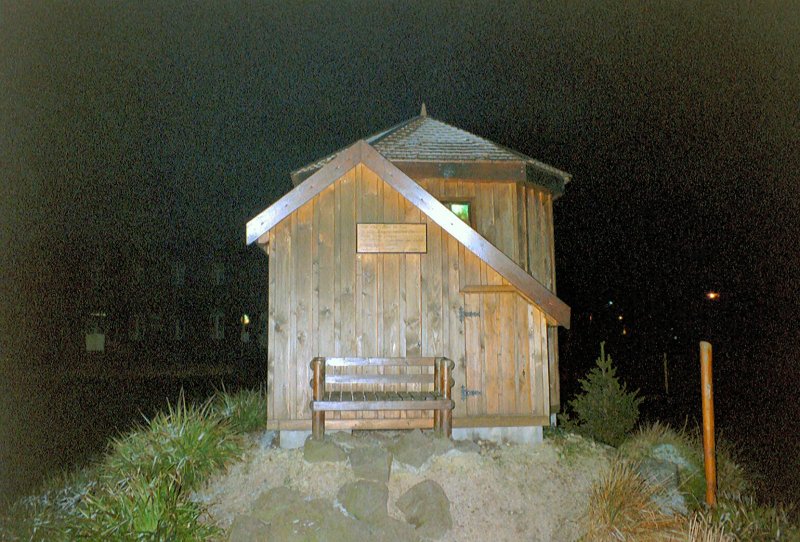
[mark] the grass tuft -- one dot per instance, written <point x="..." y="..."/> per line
<point x="746" y="519"/>
<point x="186" y="443"/>
<point x="689" y="459"/>
<point x="245" y="411"/>
<point x="621" y="507"/>
<point x="140" y="509"/>
<point x="139" y="491"/>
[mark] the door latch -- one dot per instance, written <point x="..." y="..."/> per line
<point x="466" y="314"/>
<point x="468" y="393"/>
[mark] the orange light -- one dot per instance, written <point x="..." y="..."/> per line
<point x="712" y="295"/>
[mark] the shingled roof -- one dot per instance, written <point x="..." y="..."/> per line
<point x="425" y="139"/>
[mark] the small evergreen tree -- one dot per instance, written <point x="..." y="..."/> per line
<point x="605" y="411"/>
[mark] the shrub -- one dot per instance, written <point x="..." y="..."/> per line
<point x="605" y="411"/>
<point x="186" y="442"/>
<point x="245" y="411"/>
<point x="140" y="509"/>
<point x="139" y="491"/>
<point x="745" y="519"/>
<point x="621" y="507"/>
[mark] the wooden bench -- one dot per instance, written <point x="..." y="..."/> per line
<point x="439" y="400"/>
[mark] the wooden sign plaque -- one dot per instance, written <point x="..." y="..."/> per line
<point x="392" y="238"/>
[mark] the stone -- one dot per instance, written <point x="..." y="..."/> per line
<point x="344" y="439"/>
<point x="389" y="529"/>
<point x="664" y="476"/>
<point x="275" y="502"/>
<point x="340" y="528"/>
<point x="316" y="451"/>
<point x="427" y="507"/>
<point x="364" y="500"/>
<point x="284" y="514"/>
<point x="500" y="435"/>
<point x="414" y="448"/>
<point x="467" y="446"/>
<point x="371" y="463"/>
<point x="246" y="528"/>
<point x="691" y="480"/>
<point x="266" y="439"/>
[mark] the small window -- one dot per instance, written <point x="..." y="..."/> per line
<point x="218" y="273"/>
<point x="178" y="273"/>
<point x="217" y="325"/>
<point x="462" y="209"/>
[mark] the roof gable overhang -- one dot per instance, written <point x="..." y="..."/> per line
<point x="363" y="153"/>
<point x="507" y="170"/>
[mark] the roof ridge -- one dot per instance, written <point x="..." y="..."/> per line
<point x="375" y="138"/>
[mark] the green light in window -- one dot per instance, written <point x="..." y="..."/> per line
<point x="461" y="210"/>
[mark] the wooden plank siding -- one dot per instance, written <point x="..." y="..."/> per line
<point x="327" y="300"/>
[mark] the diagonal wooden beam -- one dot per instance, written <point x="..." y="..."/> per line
<point x="304" y="192"/>
<point x="529" y="287"/>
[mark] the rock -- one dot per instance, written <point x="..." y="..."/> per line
<point x="371" y="462"/>
<point x="664" y="476"/>
<point x="467" y="446"/>
<point x="284" y="514"/>
<point x="344" y="439"/>
<point x="276" y="501"/>
<point x="340" y="528"/>
<point x="691" y="480"/>
<point x="427" y="507"/>
<point x="414" y="448"/>
<point x="365" y="500"/>
<point x="315" y="451"/>
<point x="246" y="528"/>
<point x="388" y="529"/>
<point x="266" y="440"/>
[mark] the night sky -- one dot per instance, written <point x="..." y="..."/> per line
<point x="162" y="126"/>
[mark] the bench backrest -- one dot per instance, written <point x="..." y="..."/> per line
<point x="418" y="371"/>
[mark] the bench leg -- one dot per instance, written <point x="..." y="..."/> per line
<point x="437" y="422"/>
<point x="447" y="423"/>
<point x="318" y="425"/>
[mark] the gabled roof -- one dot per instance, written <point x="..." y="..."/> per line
<point x="425" y="139"/>
<point x="363" y="153"/>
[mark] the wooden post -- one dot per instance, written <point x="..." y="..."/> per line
<point x="317" y="389"/>
<point x="707" y="385"/>
<point x="437" y="388"/>
<point x="447" y="384"/>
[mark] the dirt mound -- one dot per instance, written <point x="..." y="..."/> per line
<point x="497" y="492"/>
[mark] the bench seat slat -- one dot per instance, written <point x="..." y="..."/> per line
<point x="438" y="404"/>
<point x="379" y="379"/>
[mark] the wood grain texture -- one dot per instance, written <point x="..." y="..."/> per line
<point x="528" y="286"/>
<point x="328" y="300"/>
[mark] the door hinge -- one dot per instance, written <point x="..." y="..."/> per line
<point x="468" y="393"/>
<point x="466" y="314"/>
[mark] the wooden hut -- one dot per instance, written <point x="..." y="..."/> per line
<point x="423" y="240"/>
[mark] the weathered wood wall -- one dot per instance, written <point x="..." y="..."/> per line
<point x="327" y="300"/>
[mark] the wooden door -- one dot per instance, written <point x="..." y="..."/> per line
<point x="498" y="378"/>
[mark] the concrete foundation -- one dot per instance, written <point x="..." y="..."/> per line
<point x="518" y="435"/>
<point x="292" y="439"/>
